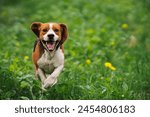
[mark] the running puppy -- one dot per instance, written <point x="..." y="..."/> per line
<point x="48" y="52"/>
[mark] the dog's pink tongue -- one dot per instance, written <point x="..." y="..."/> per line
<point x="50" y="46"/>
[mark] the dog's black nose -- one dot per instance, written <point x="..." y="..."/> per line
<point x="50" y="36"/>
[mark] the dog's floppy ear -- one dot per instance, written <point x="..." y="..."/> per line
<point x="35" y="27"/>
<point x="64" y="32"/>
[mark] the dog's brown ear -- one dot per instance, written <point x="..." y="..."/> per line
<point x="35" y="27"/>
<point x="64" y="33"/>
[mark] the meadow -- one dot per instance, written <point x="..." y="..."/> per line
<point x="107" y="54"/>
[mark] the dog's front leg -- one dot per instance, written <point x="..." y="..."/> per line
<point x="41" y="75"/>
<point x="52" y="79"/>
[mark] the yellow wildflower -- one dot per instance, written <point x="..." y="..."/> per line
<point x="88" y="61"/>
<point x="26" y="58"/>
<point x="113" y="68"/>
<point x="124" y="26"/>
<point x="110" y="66"/>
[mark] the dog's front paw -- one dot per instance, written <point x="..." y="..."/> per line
<point x="49" y="82"/>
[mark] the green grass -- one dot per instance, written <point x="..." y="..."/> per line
<point x="99" y="31"/>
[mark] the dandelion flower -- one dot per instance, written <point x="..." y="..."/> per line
<point x="124" y="26"/>
<point x="113" y="68"/>
<point x="110" y="66"/>
<point x="88" y="61"/>
<point x="26" y="58"/>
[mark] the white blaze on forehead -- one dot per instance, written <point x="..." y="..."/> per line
<point x="51" y="31"/>
<point x="51" y="28"/>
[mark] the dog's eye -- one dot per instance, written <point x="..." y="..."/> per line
<point x="44" y="30"/>
<point x="56" y="30"/>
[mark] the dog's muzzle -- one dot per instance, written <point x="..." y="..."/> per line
<point x="50" y="45"/>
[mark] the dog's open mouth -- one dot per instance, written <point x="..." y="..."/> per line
<point x="50" y="45"/>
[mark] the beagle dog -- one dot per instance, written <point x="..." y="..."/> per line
<point x="48" y="52"/>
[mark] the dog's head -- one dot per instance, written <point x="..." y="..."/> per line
<point x="50" y="33"/>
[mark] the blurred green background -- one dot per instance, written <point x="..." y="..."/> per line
<point x="107" y="54"/>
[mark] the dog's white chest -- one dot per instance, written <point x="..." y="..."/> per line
<point x="49" y="62"/>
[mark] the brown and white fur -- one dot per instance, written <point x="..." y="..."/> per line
<point x="48" y="53"/>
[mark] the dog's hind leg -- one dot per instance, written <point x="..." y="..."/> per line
<point x="35" y="73"/>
